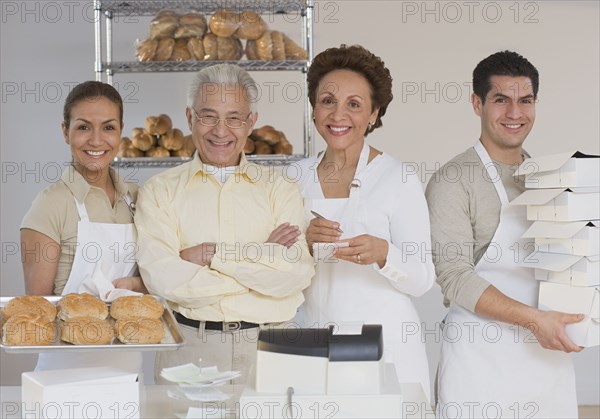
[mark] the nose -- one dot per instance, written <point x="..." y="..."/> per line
<point x="514" y="110"/>
<point x="95" y="137"/>
<point x="338" y="112"/>
<point x="220" y="129"/>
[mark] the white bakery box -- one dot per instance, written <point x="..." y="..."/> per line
<point x="576" y="300"/>
<point x="578" y="271"/>
<point x="563" y="170"/>
<point x="564" y="204"/>
<point x="308" y="373"/>
<point x="96" y="392"/>
<point x="574" y="238"/>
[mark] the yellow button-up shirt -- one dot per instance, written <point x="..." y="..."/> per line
<point x="247" y="279"/>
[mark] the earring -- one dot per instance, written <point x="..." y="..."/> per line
<point x="370" y="126"/>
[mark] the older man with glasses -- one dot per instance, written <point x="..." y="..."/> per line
<point x="219" y="238"/>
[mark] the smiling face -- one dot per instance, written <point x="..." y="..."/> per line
<point x="94" y="133"/>
<point x="343" y="109"/>
<point x="220" y="145"/>
<point x="507" y="116"/>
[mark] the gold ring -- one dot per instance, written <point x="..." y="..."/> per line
<point x="358" y="257"/>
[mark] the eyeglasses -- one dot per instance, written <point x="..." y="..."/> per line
<point x="213" y="121"/>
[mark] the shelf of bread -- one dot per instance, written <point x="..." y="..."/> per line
<point x="190" y="66"/>
<point x="151" y="7"/>
<point x="265" y="159"/>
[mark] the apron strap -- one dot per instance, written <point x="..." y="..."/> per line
<point x="492" y="172"/>
<point x="83" y="215"/>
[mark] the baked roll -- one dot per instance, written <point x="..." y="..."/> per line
<point x="28" y="329"/>
<point x="211" y="51"/>
<point x="264" y="47"/>
<point x="251" y="50"/>
<point x="186" y="31"/>
<point x="251" y="25"/>
<point x="224" y="23"/>
<point x="158" y="125"/>
<point x="278" y="45"/>
<point x="249" y="146"/>
<point x="268" y="134"/>
<point x="81" y="305"/>
<point x="292" y="50"/>
<point x="157" y="152"/>
<point x="260" y="147"/>
<point x="195" y="19"/>
<point x="181" y="51"/>
<point x="141" y="140"/>
<point x="30" y="304"/>
<point x="130" y="151"/>
<point x="139" y="331"/>
<point x="172" y="140"/>
<point x="136" y="306"/>
<point x="163" y="26"/>
<point x="164" y="50"/>
<point x="86" y="331"/>
<point x="196" y="48"/>
<point x="146" y="50"/>
<point x="229" y="48"/>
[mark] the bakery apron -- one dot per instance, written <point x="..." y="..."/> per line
<point x="345" y="294"/>
<point x="495" y="369"/>
<point x="113" y="247"/>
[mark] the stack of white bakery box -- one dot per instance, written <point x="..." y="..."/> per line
<point x="563" y="201"/>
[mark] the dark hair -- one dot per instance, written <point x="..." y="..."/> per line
<point x="360" y="60"/>
<point x="91" y="90"/>
<point x="503" y="63"/>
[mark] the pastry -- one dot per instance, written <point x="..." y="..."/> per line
<point x="145" y="306"/>
<point x="260" y="147"/>
<point x="139" y="331"/>
<point x="268" y="134"/>
<point x="130" y="151"/>
<point x="196" y="48"/>
<point x="229" y="48"/>
<point x="251" y="25"/>
<point x="164" y="49"/>
<point x="181" y="51"/>
<point x="146" y="50"/>
<point x="157" y="152"/>
<point x="172" y="140"/>
<point x="158" y="125"/>
<point x="264" y="47"/>
<point x="292" y="50"/>
<point x="249" y="146"/>
<point x="33" y="304"/>
<point x="86" y="331"/>
<point x="224" y="23"/>
<point x="210" y="46"/>
<point x="186" y="31"/>
<point x="163" y="26"/>
<point x="81" y="305"/>
<point x="283" y="147"/>
<point x="195" y="19"/>
<point x="28" y="329"/>
<point x="278" y="45"/>
<point x="251" y="51"/>
<point x="141" y="139"/>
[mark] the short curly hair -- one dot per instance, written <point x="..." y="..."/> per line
<point x="360" y="60"/>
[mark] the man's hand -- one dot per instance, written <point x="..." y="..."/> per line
<point x="549" y="329"/>
<point x="200" y="254"/>
<point x="285" y="235"/>
<point x="321" y="230"/>
<point x="132" y="283"/>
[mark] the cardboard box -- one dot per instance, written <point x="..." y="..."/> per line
<point x="99" y="392"/>
<point x="563" y="170"/>
<point x="574" y="238"/>
<point x="576" y="300"/>
<point x="579" y="271"/>
<point x="571" y="204"/>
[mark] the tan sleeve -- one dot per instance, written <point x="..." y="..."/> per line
<point x="47" y="213"/>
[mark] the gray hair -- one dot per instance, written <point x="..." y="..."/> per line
<point x="224" y="74"/>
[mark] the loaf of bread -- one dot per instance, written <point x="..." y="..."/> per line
<point x="145" y="306"/>
<point x="163" y="25"/>
<point x="172" y="140"/>
<point x="157" y="152"/>
<point x="139" y="331"/>
<point x="181" y="51"/>
<point x="196" y="48"/>
<point x="278" y="45"/>
<point x="251" y="25"/>
<point x="28" y="329"/>
<point x="264" y="47"/>
<point x="158" y="125"/>
<point x="224" y="23"/>
<point x="146" y="49"/>
<point x="86" y="331"/>
<point x="81" y="305"/>
<point x="164" y="50"/>
<point x="30" y="304"/>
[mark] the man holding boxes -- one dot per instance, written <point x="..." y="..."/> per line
<point x="501" y="356"/>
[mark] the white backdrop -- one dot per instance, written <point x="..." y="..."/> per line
<point x="430" y="47"/>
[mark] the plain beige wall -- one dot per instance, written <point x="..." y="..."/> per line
<point x="430" y="47"/>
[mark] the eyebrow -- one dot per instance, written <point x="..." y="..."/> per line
<point x="89" y="122"/>
<point x="210" y="110"/>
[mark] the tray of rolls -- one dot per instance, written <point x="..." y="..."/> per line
<point x="83" y="322"/>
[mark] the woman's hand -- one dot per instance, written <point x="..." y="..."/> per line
<point x="364" y="250"/>
<point x="321" y="230"/>
<point x="132" y="283"/>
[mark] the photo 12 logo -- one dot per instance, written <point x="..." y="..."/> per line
<point x="450" y="12"/>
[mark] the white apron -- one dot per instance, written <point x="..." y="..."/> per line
<point x="344" y="292"/>
<point x="494" y="369"/>
<point x="112" y="246"/>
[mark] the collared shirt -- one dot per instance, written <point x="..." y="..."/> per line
<point x="247" y="279"/>
<point x="54" y="214"/>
